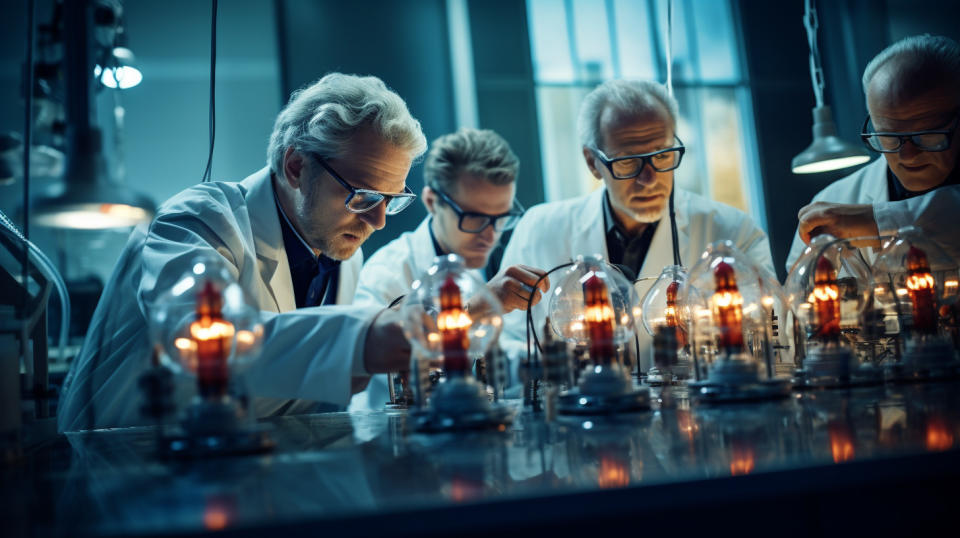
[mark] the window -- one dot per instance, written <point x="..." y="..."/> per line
<point x="577" y="44"/>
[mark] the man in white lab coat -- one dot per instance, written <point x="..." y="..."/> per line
<point x="290" y="234"/>
<point x="469" y="187"/>
<point x="913" y="99"/>
<point x="628" y="133"/>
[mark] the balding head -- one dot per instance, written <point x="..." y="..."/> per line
<point x="912" y="86"/>
<point x="913" y="66"/>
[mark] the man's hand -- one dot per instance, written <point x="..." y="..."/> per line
<point x="842" y="221"/>
<point x="514" y="285"/>
<point x="386" y="348"/>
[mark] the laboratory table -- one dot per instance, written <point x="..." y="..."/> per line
<point x="868" y="461"/>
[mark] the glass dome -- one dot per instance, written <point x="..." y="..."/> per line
<point x="915" y="285"/>
<point x="595" y="307"/>
<point x="828" y="289"/>
<point x="734" y="305"/>
<point x="450" y="317"/>
<point x="664" y="314"/>
<point x="206" y="325"/>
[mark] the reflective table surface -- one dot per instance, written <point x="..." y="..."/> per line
<point x="877" y="459"/>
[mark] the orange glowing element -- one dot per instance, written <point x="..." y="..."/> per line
<point x="727" y="306"/>
<point x="612" y="473"/>
<point x="939" y="436"/>
<point x="841" y="442"/>
<point x="216" y="515"/>
<point x="686" y="423"/>
<point x="672" y="318"/>
<point x="464" y="489"/>
<point x="453" y="323"/>
<point x="213" y="337"/>
<point x="826" y="301"/>
<point x="742" y="460"/>
<point x="922" y="290"/>
<point x="598" y="315"/>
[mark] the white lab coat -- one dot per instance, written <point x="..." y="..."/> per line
<point x="308" y="355"/>
<point x="933" y="212"/>
<point x="388" y="274"/>
<point x="555" y="233"/>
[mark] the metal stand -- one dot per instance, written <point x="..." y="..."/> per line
<point x="734" y="378"/>
<point x="834" y="366"/>
<point x="604" y="389"/>
<point x="926" y="358"/>
<point x="461" y="403"/>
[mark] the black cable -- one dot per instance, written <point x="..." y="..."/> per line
<point x="531" y="330"/>
<point x="673" y="230"/>
<point x="213" y="80"/>
<point x="27" y="144"/>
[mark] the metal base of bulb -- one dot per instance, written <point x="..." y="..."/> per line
<point x="736" y="380"/>
<point x="930" y="358"/>
<point x="213" y="428"/>
<point x="461" y="403"/>
<point x="603" y="390"/>
<point x="835" y="367"/>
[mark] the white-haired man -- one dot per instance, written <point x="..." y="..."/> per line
<point x="469" y="187"/>
<point x="290" y="234"/>
<point x="628" y="134"/>
<point x="913" y="99"/>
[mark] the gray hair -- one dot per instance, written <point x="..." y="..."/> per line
<point x="927" y="53"/>
<point x="623" y="96"/>
<point x="480" y="152"/>
<point x="322" y="118"/>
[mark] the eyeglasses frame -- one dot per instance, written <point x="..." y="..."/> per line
<point x="644" y="157"/>
<point x="903" y="137"/>
<point x="515" y="211"/>
<point x="386" y="196"/>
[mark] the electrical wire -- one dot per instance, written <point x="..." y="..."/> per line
<point x="27" y="144"/>
<point x="213" y="80"/>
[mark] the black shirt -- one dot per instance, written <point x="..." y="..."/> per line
<point x="315" y="278"/>
<point x="621" y="247"/>
<point x="899" y="192"/>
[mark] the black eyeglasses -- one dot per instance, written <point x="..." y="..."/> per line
<point x="891" y="142"/>
<point x="363" y="200"/>
<point x="630" y="166"/>
<point x="474" y="223"/>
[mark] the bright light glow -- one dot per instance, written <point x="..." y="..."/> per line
<point x="724" y="299"/>
<point x="878" y="290"/>
<point x="598" y="313"/>
<point x="479" y="333"/>
<point x="576" y="326"/>
<point x="583" y="401"/>
<point x="94" y="217"/>
<point x="587" y="424"/>
<point x="951" y="284"/>
<point x="920" y="281"/>
<point x="199" y="268"/>
<point x="216" y="329"/>
<point x="902" y="291"/>
<point x="246" y="338"/>
<point x="496" y="322"/>
<point x="125" y="77"/>
<point x="830" y="164"/>
<point x="181" y="287"/>
<point x="455" y="319"/>
<point x="767" y="301"/>
<point x="433" y="338"/>
<point x="185" y="344"/>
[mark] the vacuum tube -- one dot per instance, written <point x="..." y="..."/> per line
<point x="595" y="308"/>
<point x="829" y="288"/>
<point x="916" y="287"/>
<point x="731" y="303"/>
<point x="206" y="328"/>
<point x="665" y="319"/>
<point x="451" y="320"/>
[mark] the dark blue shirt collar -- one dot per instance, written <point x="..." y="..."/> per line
<point x="315" y="278"/>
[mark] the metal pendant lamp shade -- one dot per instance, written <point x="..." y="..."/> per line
<point x="827" y="151"/>
<point x="87" y="197"/>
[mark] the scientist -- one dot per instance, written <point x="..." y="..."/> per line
<point x="913" y="99"/>
<point x="337" y="163"/>
<point x="627" y="130"/>
<point x="469" y="188"/>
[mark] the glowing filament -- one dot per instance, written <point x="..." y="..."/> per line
<point x="922" y="290"/>
<point x="598" y="315"/>
<point x="213" y="337"/>
<point x="727" y="308"/>
<point x="938" y="435"/>
<point x="453" y="323"/>
<point x="612" y="474"/>
<point x="825" y="298"/>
